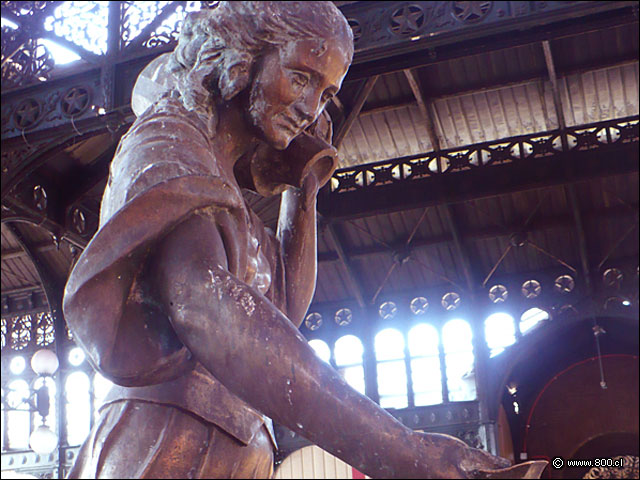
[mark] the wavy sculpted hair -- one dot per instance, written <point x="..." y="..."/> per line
<point x="218" y="47"/>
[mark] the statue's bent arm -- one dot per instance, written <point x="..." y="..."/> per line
<point x="249" y="345"/>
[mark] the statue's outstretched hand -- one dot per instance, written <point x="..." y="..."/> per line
<point x="449" y="457"/>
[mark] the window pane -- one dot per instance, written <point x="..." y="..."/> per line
<point x="456" y="336"/>
<point x="423" y="340"/>
<point x="18" y="428"/>
<point x="78" y="412"/>
<point x="428" y="398"/>
<point x="18" y="421"/>
<point x="321" y="348"/>
<point x="348" y="350"/>
<point x="396" y="401"/>
<point x="500" y="332"/>
<point x="392" y="378"/>
<point x="460" y="377"/>
<point x="425" y="374"/>
<point x="354" y="376"/>
<point x="389" y="344"/>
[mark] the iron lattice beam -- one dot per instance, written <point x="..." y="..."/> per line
<point x="483" y="170"/>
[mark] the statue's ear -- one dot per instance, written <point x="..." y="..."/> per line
<point x="234" y="79"/>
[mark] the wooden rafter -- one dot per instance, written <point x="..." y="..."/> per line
<point x="424" y="107"/>
<point x="361" y="97"/>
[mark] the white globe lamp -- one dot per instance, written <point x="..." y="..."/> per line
<point x="43" y="441"/>
<point x="44" y="362"/>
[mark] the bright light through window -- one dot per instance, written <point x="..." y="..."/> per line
<point x="321" y="348"/>
<point x="458" y="347"/>
<point x="60" y="54"/>
<point x="456" y="336"/>
<point x="17" y="365"/>
<point x="18" y="421"/>
<point x="76" y="356"/>
<point x="423" y="340"/>
<point x="389" y="345"/>
<point x="426" y="378"/>
<point x="392" y="372"/>
<point x="9" y="24"/>
<point x="531" y="318"/>
<point x="500" y="332"/>
<point x="78" y="414"/>
<point x="348" y="356"/>
<point x="348" y="350"/>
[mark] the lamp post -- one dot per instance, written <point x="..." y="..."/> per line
<point x="43" y="440"/>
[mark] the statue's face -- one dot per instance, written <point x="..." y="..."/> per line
<point x="292" y="86"/>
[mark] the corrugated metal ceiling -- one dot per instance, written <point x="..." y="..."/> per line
<point x="486" y="115"/>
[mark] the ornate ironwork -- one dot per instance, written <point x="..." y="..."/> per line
<point x="40" y="466"/>
<point x="135" y="16"/>
<point x="24" y="60"/>
<point x="343" y="317"/>
<point x="498" y="294"/>
<point x="450" y="301"/>
<point x="27" y="331"/>
<point x="470" y="12"/>
<point x="407" y="20"/>
<point x="82" y="23"/>
<point x="45" y="331"/>
<point x="419" y="305"/>
<point x="564" y="284"/>
<point x="529" y="148"/>
<point x="28" y="113"/>
<point x="21" y="332"/>
<point x="313" y="321"/>
<point x="53" y="105"/>
<point x="75" y="101"/>
<point x="388" y="310"/>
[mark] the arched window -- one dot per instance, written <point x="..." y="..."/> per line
<point x="500" y="332"/>
<point x="78" y="411"/>
<point x="426" y="378"/>
<point x="348" y="356"/>
<point x="458" y="350"/>
<point x="321" y="348"/>
<point x="531" y="318"/>
<point x="392" y="371"/>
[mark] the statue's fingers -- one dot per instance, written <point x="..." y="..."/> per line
<point x="532" y="469"/>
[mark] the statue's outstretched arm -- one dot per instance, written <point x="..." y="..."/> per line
<point x="249" y="345"/>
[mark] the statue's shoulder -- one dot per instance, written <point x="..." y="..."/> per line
<point x="165" y="143"/>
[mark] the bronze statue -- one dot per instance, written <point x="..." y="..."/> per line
<point x="189" y="304"/>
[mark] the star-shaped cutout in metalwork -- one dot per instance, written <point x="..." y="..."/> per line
<point x="407" y="19"/>
<point x="471" y="11"/>
<point x="27" y="113"/>
<point x="75" y="101"/>
<point x="498" y="293"/>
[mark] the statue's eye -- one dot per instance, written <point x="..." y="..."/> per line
<point x="299" y="79"/>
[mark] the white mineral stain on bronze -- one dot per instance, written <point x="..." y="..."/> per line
<point x="248" y="303"/>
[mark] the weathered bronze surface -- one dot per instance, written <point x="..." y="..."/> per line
<point x="190" y="305"/>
